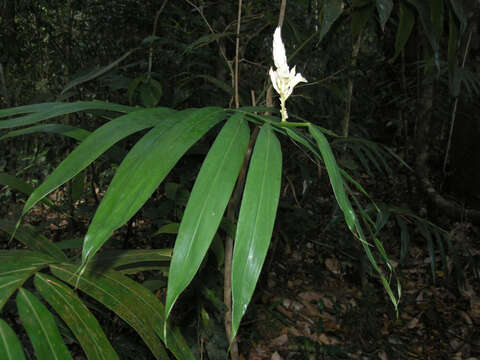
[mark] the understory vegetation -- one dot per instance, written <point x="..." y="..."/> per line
<point x="177" y="182"/>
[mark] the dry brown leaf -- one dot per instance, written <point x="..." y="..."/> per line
<point x="333" y="265"/>
<point x="276" y="356"/>
<point x="280" y="341"/>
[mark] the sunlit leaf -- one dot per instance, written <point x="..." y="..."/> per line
<point x="41" y="328"/>
<point x="132" y="302"/>
<point x="256" y="219"/>
<point x="143" y="169"/>
<point x="40" y="112"/>
<point x="206" y="205"/>
<point x="95" y="145"/>
<point x="10" y="346"/>
<point x="76" y="315"/>
<point x="61" y="129"/>
<point x="30" y="237"/>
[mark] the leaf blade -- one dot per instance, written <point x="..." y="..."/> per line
<point x="206" y="205"/>
<point x="259" y="202"/>
<point x="143" y="169"/>
<point x="76" y="315"/>
<point x="41" y="328"/>
<point x="10" y="346"/>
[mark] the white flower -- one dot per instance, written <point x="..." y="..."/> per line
<point x="283" y="79"/>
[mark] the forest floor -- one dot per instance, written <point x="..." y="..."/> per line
<point x="318" y="297"/>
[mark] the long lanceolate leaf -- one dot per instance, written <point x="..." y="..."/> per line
<point x="76" y="315"/>
<point x="61" y="129"/>
<point x="10" y="346"/>
<point x="143" y="169"/>
<point x="40" y="112"/>
<point x="207" y="203"/>
<point x="351" y="219"/>
<point x="16" y="267"/>
<point x="256" y="220"/>
<point x="41" y="328"/>
<point x="95" y="145"/>
<point x="131" y="301"/>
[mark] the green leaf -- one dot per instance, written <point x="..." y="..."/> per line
<point x="20" y="185"/>
<point x="335" y="177"/>
<point x="116" y="258"/>
<point x="132" y="302"/>
<point x="65" y="130"/>
<point x="425" y="16"/>
<point x="405" y="27"/>
<point x="171" y="228"/>
<point x="436" y="14"/>
<point x="205" y="40"/>
<point x="33" y="239"/>
<point x="143" y="169"/>
<point x="360" y="17"/>
<point x="150" y="93"/>
<point x="46" y="111"/>
<point x="96" y="72"/>
<point x="457" y="7"/>
<point x="331" y="12"/>
<point x="384" y="8"/>
<point x="76" y="315"/>
<point x="256" y="219"/>
<point x="10" y="346"/>
<point x="206" y="205"/>
<point x="41" y="328"/>
<point x="95" y="145"/>
<point x="78" y="183"/>
<point x="16" y="267"/>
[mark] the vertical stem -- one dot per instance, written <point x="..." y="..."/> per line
<point x="454" y="111"/>
<point x="346" y="120"/>
<point x="227" y="286"/>
<point x="154" y="31"/>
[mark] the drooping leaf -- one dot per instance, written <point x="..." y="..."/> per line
<point x="206" y="205"/>
<point x="61" y="129"/>
<point x="20" y="185"/>
<point x="132" y="302"/>
<point x="96" y="72"/>
<point x="10" y="346"/>
<point x="405" y="27"/>
<point x="384" y="8"/>
<point x="111" y="259"/>
<point x="256" y="219"/>
<point x="16" y="267"/>
<point x="40" y="112"/>
<point x="33" y="239"/>
<point x="170" y="228"/>
<point x="78" y="183"/>
<point x="76" y="315"/>
<point x="425" y="16"/>
<point x="437" y="13"/>
<point x="95" y="145"/>
<point x="331" y="12"/>
<point x="351" y="219"/>
<point x="360" y="17"/>
<point x="41" y="328"/>
<point x="459" y="11"/>
<point x="143" y="169"/>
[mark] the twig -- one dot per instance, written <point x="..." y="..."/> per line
<point x="455" y="104"/>
<point x="227" y="286"/>
<point x="154" y="31"/>
<point x="346" y="120"/>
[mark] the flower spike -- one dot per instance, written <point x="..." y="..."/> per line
<point x="283" y="79"/>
